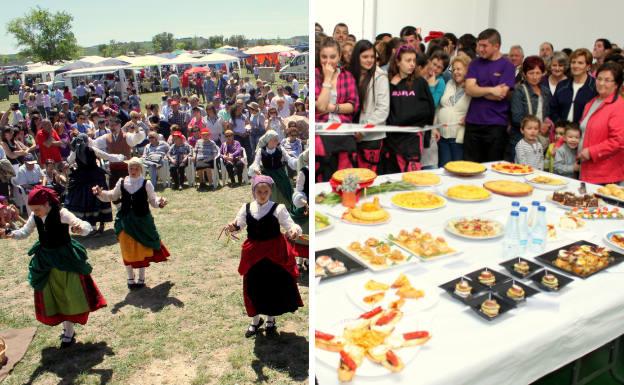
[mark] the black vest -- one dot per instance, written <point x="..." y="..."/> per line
<point x="271" y="161"/>
<point x="306" y="186"/>
<point x="52" y="233"/>
<point x="265" y="228"/>
<point x="136" y="202"/>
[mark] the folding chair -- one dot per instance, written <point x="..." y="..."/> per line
<point x="20" y="197"/>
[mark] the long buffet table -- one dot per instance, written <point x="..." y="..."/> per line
<point x="547" y="332"/>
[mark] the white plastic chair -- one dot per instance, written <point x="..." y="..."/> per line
<point x="245" y="166"/>
<point x="163" y="174"/>
<point x="189" y="173"/>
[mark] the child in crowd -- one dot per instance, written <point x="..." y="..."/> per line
<point x="529" y="150"/>
<point x="269" y="271"/>
<point x="58" y="271"/>
<point x="178" y="158"/>
<point x="292" y="144"/>
<point x="9" y="215"/>
<point x="134" y="225"/>
<point x="552" y="147"/>
<point x="566" y="163"/>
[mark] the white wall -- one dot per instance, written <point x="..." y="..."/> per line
<point x="565" y="23"/>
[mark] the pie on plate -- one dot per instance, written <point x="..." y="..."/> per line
<point x="509" y="188"/>
<point x="583" y="260"/>
<point x="364" y="175"/>
<point x="367" y="213"/>
<point x="571" y="199"/>
<point x="617" y="239"/>
<point x="468" y="192"/>
<point x="421" y="178"/>
<point x="512" y="168"/>
<point x="462" y="167"/>
<point x="475" y="227"/>
<point x="547" y="180"/>
<point x="612" y="190"/>
<point x="418" y="200"/>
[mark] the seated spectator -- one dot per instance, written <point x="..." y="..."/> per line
<point x="9" y="215"/>
<point x="292" y="144"/>
<point x="154" y="154"/>
<point x="178" y="157"/>
<point x="29" y="174"/>
<point x="206" y="152"/>
<point x="54" y="179"/>
<point x="232" y="154"/>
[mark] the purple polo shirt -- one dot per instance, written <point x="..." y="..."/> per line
<point x="489" y="74"/>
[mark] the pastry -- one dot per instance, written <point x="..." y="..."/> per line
<point x="324" y="260"/>
<point x="543" y="179"/>
<point x="319" y="271"/>
<point x="512" y="168"/>
<point x="490" y="308"/>
<point x="468" y="192"/>
<point x="583" y="260"/>
<point x="367" y="213"/>
<point x="349" y="362"/>
<point x="418" y="200"/>
<point x="463" y="289"/>
<point x="422" y="244"/>
<point x="364" y="175"/>
<point x="336" y="267"/>
<point x="401" y="281"/>
<point x="487" y="278"/>
<point x="612" y="190"/>
<point x="408" y="291"/>
<point x="573" y="200"/>
<point x="569" y="222"/>
<point x="596" y="213"/>
<point x="509" y="188"/>
<point x="522" y="267"/>
<point x="462" y="167"/>
<point x="392" y="362"/>
<point x="374" y="285"/>
<point x="550" y="281"/>
<point x="618" y="240"/>
<point x="415" y="338"/>
<point x="421" y="178"/>
<point x="515" y="292"/>
<point x="328" y="342"/>
<point x="374" y="298"/>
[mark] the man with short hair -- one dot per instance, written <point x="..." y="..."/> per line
<point x="210" y="88"/>
<point x="124" y="112"/>
<point x="601" y="46"/>
<point x="295" y="85"/>
<point x="546" y="50"/>
<point x="341" y="32"/>
<point x="489" y="80"/>
<point x="516" y="57"/>
<point x="81" y="92"/>
<point x="178" y="117"/>
<point x="29" y="174"/>
<point x="120" y="142"/>
<point x="174" y="84"/>
<point x="411" y="36"/>
<point x="230" y="90"/>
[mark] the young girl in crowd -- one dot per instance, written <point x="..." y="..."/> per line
<point x="134" y="225"/>
<point x="9" y="215"/>
<point x="373" y="92"/>
<point x="269" y="272"/>
<point x="549" y="162"/>
<point x="270" y="160"/>
<point x="411" y="104"/>
<point x="529" y="150"/>
<point x="58" y="271"/>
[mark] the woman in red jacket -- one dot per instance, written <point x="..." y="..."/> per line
<point x="602" y="124"/>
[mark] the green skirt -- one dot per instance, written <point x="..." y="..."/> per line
<point x="282" y="190"/>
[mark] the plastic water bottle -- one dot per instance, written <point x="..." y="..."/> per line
<point x="533" y="213"/>
<point x="523" y="230"/>
<point x="511" y="242"/>
<point x="539" y="232"/>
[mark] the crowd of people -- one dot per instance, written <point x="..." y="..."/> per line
<point x="560" y="110"/>
<point x="75" y="156"/>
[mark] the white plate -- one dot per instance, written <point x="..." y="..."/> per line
<point x="356" y="292"/>
<point x="425" y="185"/>
<point x="423" y="258"/>
<point x="451" y="229"/>
<point x="610" y="242"/>
<point x="417" y="209"/>
<point x="367" y="224"/>
<point x="609" y="197"/>
<point x="368" y="367"/>
<point x="550" y="200"/>
<point x="329" y="227"/>
<point x="543" y="186"/>
<point x="411" y="258"/>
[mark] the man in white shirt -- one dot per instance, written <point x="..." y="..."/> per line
<point x="29" y="174"/>
<point x="295" y="85"/>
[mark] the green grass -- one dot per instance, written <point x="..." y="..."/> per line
<point x="185" y="328"/>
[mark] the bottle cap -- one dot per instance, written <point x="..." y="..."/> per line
<point x="524" y="209"/>
<point x="515" y="204"/>
<point x="542" y="208"/>
<point x="535" y="203"/>
<point x="514" y="214"/>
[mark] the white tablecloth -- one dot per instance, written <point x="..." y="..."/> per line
<point x="546" y="333"/>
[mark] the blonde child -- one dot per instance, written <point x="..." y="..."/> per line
<point x="529" y="150"/>
<point x="552" y="147"/>
<point x="269" y="271"/>
<point x="566" y="163"/>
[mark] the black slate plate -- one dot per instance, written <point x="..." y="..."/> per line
<point x="502" y="288"/>
<point x="477" y="288"/>
<point x="500" y="277"/>
<point x="339" y="255"/>
<point x="550" y="257"/>
<point x="509" y="266"/>
<point x="563" y="280"/>
<point x="505" y="305"/>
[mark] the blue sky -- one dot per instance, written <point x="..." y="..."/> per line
<point x="97" y="22"/>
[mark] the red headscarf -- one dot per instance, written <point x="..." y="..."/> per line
<point x="41" y="195"/>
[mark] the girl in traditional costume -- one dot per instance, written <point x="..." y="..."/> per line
<point x="270" y="160"/>
<point x="58" y="271"/>
<point x="134" y="225"/>
<point x="269" y="271"/>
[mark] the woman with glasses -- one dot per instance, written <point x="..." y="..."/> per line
<point x="601" y="150"/>
<point x="215" y="124"/>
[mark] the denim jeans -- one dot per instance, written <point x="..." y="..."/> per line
<point x="153" y="172"/>
<point x="254" y="138"/>
<point x="448" y="151"/>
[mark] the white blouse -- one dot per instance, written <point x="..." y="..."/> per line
<point x="299" y="196"/>
<point x="289" y="160"/>
<point x="66" y="217"/>
<point x="131" y="185"/>
<point x="258" y="211"/>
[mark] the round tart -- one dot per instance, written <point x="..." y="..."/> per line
<point x="367" y="213"/>
<point x="512" y="168"/>
<point x="464" y="168"/>
<point x="509" y="188"/>
<point x="418" y="200"/>
<point x="468" y="192"/>
<point x="364" y="175"/>
<point x="490" y="308"/>
<point x="421" y="178"/>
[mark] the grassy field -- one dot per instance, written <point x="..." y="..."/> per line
<point x="185" y="327"/>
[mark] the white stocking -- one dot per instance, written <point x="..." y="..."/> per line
<point x="69" y="329"/>
<point x="130" y="272"/>
<point x="142" y="274"/>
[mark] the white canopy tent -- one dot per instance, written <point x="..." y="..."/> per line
<point x="213" y="58"/>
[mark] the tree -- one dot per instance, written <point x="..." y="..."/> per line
<point x="45" y="36"/>
<point x="163" y="42"/>
<point x="237" y="41"/>
<point x="215" y="41"/>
